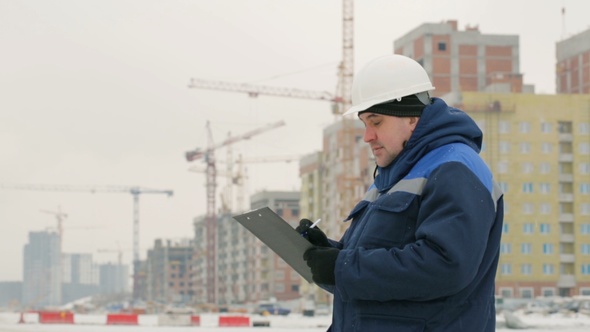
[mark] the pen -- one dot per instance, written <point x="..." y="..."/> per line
<point x="312" y="226"/>
<point x="315" y="223"/>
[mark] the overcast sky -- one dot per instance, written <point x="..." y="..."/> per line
<point x="95" y="93"/>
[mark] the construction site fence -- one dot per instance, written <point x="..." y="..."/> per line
<point x="66" y="317"/>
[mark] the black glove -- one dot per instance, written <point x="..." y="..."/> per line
<point x="322" y="262"/>
<point x="313" y="235"/>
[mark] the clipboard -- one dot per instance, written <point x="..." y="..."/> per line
<point x="279" y="236"/>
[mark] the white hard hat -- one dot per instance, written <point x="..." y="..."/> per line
<point x="387" y="78"/>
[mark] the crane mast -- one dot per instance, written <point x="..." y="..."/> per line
<point x="346" y="73"/>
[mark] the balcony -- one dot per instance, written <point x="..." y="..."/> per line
<point x="566" y="258"/>
<point x="565" y="137"/>
<point x="564" y="198"/>
<point x="566" y="281"/>
<point x="566" y="157"/>
<point x="566" y="178"/>
<point x="566" y="217"/>
<point x="566" y="238"/>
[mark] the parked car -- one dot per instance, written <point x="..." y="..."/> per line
<point x="272" y="309"/>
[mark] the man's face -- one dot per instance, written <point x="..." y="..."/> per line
<point x="387" y="135"/>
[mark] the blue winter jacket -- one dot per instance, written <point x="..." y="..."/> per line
<point x="422" y="249"/>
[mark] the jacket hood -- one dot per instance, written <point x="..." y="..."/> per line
<point x="439" y="125"/>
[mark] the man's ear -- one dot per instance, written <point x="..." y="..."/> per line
<point x="414" y="121"/>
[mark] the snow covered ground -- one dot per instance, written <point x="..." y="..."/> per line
<point x="291" y="323"/>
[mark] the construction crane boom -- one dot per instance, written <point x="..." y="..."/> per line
<point x="198" y="153"/>
<point x="208" y="155"/>
<point x="254" y="90"/>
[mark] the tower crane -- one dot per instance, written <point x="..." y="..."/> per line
<point x="135" y="191"/>
<point x="238" y="177"/>
<point x="208" y="155"/>
<point x="60" y="216"/>
<point x="341" y="101"/>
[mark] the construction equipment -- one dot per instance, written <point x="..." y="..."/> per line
<point x="254" y="90"/>
<point x="134" y="191"/>
<point x="60" y="216"/>
<point x="341" y="102"/>
<point x="208" y="155"/>
<point x="237" y="178"/>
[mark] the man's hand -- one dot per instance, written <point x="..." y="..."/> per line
<point x="322" y="262"/>
<point x="313" y="235"/>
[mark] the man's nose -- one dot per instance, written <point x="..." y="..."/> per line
<point x="369" y="135"/>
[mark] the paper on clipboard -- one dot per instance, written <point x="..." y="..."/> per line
<point x="279" y="236"/>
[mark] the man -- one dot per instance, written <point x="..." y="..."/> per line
<point x="422" y="247"/>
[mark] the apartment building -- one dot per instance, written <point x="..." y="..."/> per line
<point x="464" y="60"/>
<point x="538" y="147"/>
<point x="572" y="70"/>
<point x="169" y="272"/>
<point x="42" y="275"/>
<point x="247" y="270"/>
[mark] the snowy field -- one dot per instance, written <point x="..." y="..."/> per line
<point x="291" y="323"/>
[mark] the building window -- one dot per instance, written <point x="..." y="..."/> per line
<point x="546" y="147"/>
<point x="585" y="228"/>
<point x="505" y="248"/>
<point x="547" y="248"/>
<point x="525" y="127"/>
<point x="544" y="168"/>
<point x="502" y="167"/>
<point x="528" y="228"/>
<point x="584" y="128"/>
<point x="546" y="127"/>
<point x="525" y="248"/>
<point x="506" y="269"/>
<point x="503" y="186"/>
<point x="527" y="187"/>
<point x="585" y="249"/>
<point x="528" y="208"/>
<point x="505" y="228"/>
<point x="548" y="292"/>
<point x="544" y="228"/>
<point x="544" y="188"/>
<point x="506" y="292"/>
<point x="442" y="46"/>
<point x="585" y="188"/>
<point x="504" y="127"/>
<point x="545" y="208"/>
<point x="584" y="148"/>
<point x="525" y="147"/>
<point x="526" y="293"/>
<point x="526" y="269"/>
<point x="548" y="269"/>
<point x="527" y="168"/>
<point x="586" y="269"/>
<point x="585" y="209"/>
<point x="504" y="147"/>
<point x="585" y="168"/>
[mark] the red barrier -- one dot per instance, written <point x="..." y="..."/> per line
<point x="122" y="319"/>
<point x="234" y="321"/>
<point x="196" y="320"/>
<point x="53" y="317"/>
